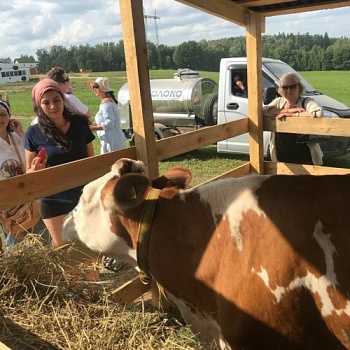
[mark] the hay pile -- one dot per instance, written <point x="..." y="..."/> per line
<point x="44" y="307"/>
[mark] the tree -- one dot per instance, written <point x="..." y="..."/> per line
<point x="301" y="51"/>
<point x="5" y="60"/>
<point x="188" y="55"/>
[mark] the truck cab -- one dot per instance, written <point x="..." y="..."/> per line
<point x="233" y="106"/>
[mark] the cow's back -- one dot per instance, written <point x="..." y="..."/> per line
<point x="262" y="258"/>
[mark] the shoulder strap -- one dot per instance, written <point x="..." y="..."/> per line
<point x="17" y="151"/>
<point x="303" y="102"/>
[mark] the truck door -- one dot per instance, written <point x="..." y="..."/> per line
<point x="233" y="105"/>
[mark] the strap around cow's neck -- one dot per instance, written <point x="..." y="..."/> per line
<point x="143" y="235"/>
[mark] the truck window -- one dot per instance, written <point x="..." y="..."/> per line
<point x="241" y="88"/>
<point x="267" y="81"/>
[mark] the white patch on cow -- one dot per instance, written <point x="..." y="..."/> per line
<point x="278" y="291"/>
<point x="316" y="285"/>
<point x="325" y="243"/>
<point x="233" y="197"/>
<point x="201" y="324"/>
<point x="90" y="222"/>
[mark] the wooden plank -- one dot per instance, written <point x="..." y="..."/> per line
<point x="254" y="69"/>
<point x="255" y="3"/>
<point x="175" y="145"/>
<point x="305" y="125"/>
<point x="331" y="4"/>
<point x="273" y="168"/>
<point x="131" y="13"/>
<point x="242" y="170"/>
<point x="225" y="9"/>
<point x="24" y="188"/>
<point x="129" y="291"/>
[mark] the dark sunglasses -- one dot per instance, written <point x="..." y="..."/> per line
<point x="95" y="86"/>
<point x="290" y="87"/>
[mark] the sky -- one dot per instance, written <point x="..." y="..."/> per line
<point x="29" y="25"/>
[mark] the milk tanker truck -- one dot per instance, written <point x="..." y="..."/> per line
<point x="189" y="100"/>
<point x="186" y="101"/>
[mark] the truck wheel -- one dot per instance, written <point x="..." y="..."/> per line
<point x="211" y="109"/>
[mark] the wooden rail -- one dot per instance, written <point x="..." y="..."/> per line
<point x="24" y="188"/>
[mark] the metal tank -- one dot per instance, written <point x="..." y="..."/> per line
<point x="177" y="102"/>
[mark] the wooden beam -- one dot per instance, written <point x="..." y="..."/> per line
<point x="129" y="291"/>
<point x="254" y="72"/>
<point x="255" y="3"/>
<point x="241" y="170"/>
<point x="225" y="9"/>
<point x="305" y="125"/>
<point x="132" y="16"/>
<point x="175" y="145"/>
<point x="24" y="188"/>
<point x="306" y="8"/>
<point x="273" y="168"/>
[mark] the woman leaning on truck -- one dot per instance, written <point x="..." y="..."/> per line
<point x="288" y="147"/>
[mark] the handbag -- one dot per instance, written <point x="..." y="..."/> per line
<point x="23" y="217"/>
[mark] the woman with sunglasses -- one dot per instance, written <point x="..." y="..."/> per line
<point x="107" y="119"/>
<point x="284" y="147"/>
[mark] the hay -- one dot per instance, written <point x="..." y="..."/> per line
<point x="44" y="306"/>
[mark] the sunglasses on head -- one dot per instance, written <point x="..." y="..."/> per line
<point x="95" y="86"/>
<point x="290" y="87"/>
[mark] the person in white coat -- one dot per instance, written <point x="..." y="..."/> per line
<point x="107" y="120"/>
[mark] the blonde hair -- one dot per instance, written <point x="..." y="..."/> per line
<point x="295" y="78"/>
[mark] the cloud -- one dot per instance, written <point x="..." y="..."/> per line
<point x="30" y="25"/>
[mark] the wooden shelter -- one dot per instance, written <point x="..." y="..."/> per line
<point x="250" y="14"/>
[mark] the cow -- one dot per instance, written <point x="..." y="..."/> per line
<point x="256" y="262"/>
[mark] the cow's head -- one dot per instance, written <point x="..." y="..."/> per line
<point x="110" y="205"/>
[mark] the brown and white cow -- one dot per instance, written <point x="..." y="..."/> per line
<point x="258" y="262"/>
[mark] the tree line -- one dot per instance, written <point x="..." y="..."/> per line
<point x="304" y="52"/>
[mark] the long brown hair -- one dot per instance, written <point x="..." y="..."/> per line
<point x="50" y="129"/>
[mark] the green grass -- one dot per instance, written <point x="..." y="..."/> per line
<point x="334" y="84"/>
<point x="205" y="163"/>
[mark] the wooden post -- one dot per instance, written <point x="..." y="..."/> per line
<point x="131" y="12"/>
<point x="254" y="72"/>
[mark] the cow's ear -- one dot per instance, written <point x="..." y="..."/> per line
<point x="179" y="177"/>
<point x="130" y="190"/>
<point x="125" y="166"/>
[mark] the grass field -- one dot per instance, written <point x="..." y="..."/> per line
<point x="206" y="162"/>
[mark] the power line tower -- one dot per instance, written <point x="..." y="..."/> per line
<point x="155" y="17"/>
